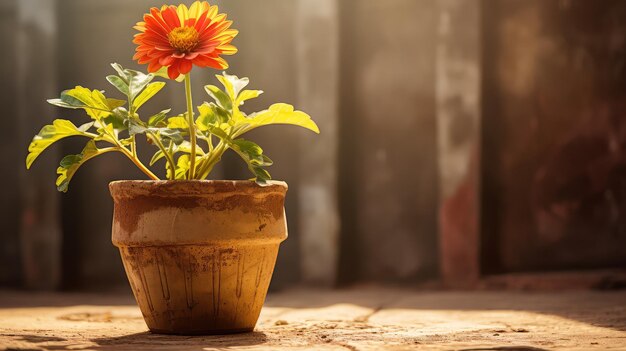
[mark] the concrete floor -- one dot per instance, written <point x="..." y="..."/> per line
<point x="356" y="319"/>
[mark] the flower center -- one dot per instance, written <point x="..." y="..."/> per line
<point x="184" y="39"/>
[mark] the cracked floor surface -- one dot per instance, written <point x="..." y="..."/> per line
<point x="355" y="319"/>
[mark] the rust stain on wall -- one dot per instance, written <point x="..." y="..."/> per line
<point x="555" y="135"/>
<point x="459" y="228"/>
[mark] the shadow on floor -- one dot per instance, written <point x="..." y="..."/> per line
<point x="148" y="341"/>
<point x="36" y="339"/>
<point x="27" y="299"/>
<point x="156" y="342"/>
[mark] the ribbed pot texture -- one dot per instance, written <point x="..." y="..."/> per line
<point x="199" y="255"/>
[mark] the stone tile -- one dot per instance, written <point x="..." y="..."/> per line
<point x="358" y="319"/>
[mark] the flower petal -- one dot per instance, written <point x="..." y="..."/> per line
<point x="213" y="62"/>
<point x="185" y="66"/>
<point x="212" y="11"/>
<point x="171" y="17"/>
<point x="228" y="49"/>
<point x="192" y="55"/>
<point x="166" y="60"/>
<point x="173" y="70"/>
<point x="156" y="14"/>
<point x="154" y="66"/>
<point x="202" y="21"/>
<point x="183" y="13"/>
<point x="156" y="26"/>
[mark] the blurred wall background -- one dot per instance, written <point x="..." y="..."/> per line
<point x="459" y="137"/>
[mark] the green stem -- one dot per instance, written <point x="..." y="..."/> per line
<point x="133" y="158"/>
<point x="210" y="142"/>
<point x="132" y="155"/>
<point x="133" y="146"/>
<point x="133" y="139"/>
<point x="213" y="158"/>
<point x="167" y="154"/>
<point x="192" y="127"/>
<point x="138" y="163"/>
<point x="214" y="155"/>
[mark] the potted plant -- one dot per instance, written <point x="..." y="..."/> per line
<point x="199" y="254"/>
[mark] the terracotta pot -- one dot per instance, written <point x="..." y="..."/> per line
<point x="199" y="255"/>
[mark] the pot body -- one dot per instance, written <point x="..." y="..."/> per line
<point x="199" y="255"/>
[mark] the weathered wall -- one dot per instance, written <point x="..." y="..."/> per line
<point x="459" y="113"/>
<point x="555" y="135"/>
<point x="388" y="143"/>
<point x="9" y="206"/>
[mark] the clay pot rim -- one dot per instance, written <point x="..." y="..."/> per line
<point x="178" y="188"/>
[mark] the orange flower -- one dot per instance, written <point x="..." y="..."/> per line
<point x="180" y="37"/>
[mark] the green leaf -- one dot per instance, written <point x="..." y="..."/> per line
<point x="115" y="103"/>
<point x="280" y="114"/>
<point x="120" y="71"/>
<point x="220" y="132"/>
<point x="247" y="95"/>
<point x="262" y="175"/>
<point x="252" y="154"/>
<point x="248" y="147"/>
<point x="118" y="118"/>
<point x="70" y="164"/>
<point x="206" y="118"/>
<point x="267" y="162"/>
<point x="151" y="90"/>
<point x="211" y="121"/>
<point x="182" y="167"/>
<point x="93" y="102"/>
<point x="210" y="113"/>
<point x="134" y="84"/>
<point x="85" y="127"/>
<point x="178" y="122"/>
<point x="233" y="84"/>
<point x="222" y="115"/>
<point x="220" y="97"/>
<point x="172" y="134"/>
<point x="136" y="127"/>
<point x="158" y="120"/>
<point x="119" y="83"/>
<point x="138" y="82"/>
<point x="105" y="132"/>
<point x="185" y="146"/>
<point x="59" y="129"/>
